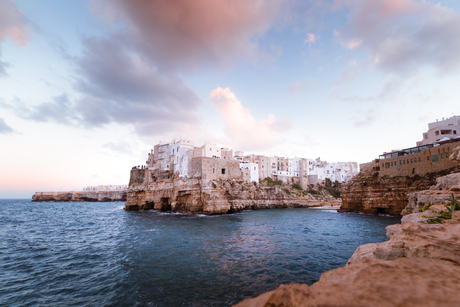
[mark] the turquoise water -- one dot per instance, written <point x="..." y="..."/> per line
<point x="96" y="254"/>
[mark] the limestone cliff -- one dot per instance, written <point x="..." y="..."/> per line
<point x="369" y="193"/>
<point x="418" y="266"/>
<point x="78" y="196"/>
<point x="163" y="190"/>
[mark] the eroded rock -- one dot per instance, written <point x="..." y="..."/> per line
<point x="418" y="266"/>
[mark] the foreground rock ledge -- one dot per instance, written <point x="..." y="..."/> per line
<point x="418" y="266"/>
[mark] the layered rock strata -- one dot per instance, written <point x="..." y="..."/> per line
<point x="369" y="193"/>
<point x="445" y="188"/>
<point x="166" y="191"/>
<point x="418" y="266"/>
<point x="78" y="196"/>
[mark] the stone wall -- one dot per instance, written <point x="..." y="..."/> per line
<point x="213" y="169"/>
<point x="429" y="160"/>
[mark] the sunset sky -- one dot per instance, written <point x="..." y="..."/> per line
<point x="88" y="87"/>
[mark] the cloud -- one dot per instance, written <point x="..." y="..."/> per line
<point x="241" y="127"/>
<point x="114" y="84"/>
<point x="183" y="34"/>
<point x="13" y="24"/>
<point x="119" y="85"/>
<point x="4" y="128"/>
<point x="402" y="35"/>
<point x="311" y="38"/>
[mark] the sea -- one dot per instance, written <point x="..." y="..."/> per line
<point x="97" y="254"/>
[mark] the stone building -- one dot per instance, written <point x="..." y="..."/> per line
<point x="418" y="160"/>
<point x="438" y="130"/>
<point x="213" y="169"/>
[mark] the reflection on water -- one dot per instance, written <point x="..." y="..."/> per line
<point x="97" y="254"/>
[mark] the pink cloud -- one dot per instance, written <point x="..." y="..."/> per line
<point x="13" y="23"/>
<point x="402" y="34"/>
<point x="311" y="38"/>
<point x="241" y="127"/>
<point x="188" y="33"/>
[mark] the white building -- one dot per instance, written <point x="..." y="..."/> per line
<point x="211" y="151"/>
<point x="449" y="127"/>
<point x="338" y="171"/>
<point x="250" y="171"/>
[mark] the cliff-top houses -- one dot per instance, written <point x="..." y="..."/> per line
<point x="211" y="162"/>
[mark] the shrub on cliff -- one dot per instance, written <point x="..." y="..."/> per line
<point x="270" y="182"/>
<point x="287" y="191"/>
<point x="444" y="215"/>
<point x="297" y="187"/>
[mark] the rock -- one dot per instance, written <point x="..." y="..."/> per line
<point x="455" y="156"/>
<point x="79" y="196"/>
<point x="418" y="266"/>
<point x="373" y="282"/>
<point x="166" y="191"/>
<point x="415" y="218"/>
<point x="379" y="195"/>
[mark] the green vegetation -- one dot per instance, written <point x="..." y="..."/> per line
<point x="297" y="187"/>
<point x="310" y="191"/>
<point x="451" y="207"/>
<point x="287" y="191"/>
<point x="270" y="182"/>
<point x="427" y="206"/>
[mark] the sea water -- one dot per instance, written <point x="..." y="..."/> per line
<point x="97" y="254"/>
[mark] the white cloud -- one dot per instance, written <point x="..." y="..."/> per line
<point x="241" y="128"/>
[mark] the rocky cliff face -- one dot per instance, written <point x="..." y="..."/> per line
<point x="166" y="191"/>
<point x="445" y="187"/>
<point x="370" y="193"/>
<point x="78" y="196"/>
<point x="418" y="266"/>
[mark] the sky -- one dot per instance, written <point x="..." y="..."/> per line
<point x="87" y="88"/>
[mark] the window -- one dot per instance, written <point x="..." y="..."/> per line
<point x="210" y="149"/>
<point x="223" y="171"/>
<point x="428" y="158"/>
<point x="387" y="165"/>
<point x="411" y="160"/>
<point x="455" y="131"/>
<point x="435" y="158"/>
<point x="173" y="151"/>
<point x="447" y="155"/>
<point x="404" y="161"/>
<point x="400" y="162"/>
<point x="419" y="159"/>
<point x="442" y="156"/>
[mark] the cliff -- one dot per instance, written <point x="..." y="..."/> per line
<point x="418" y="266"/>
<point x="162" y="190"/>
<point x="78" y="196"/>
<point x="369" y="192"/>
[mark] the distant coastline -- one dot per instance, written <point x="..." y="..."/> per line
<point x="79" y="196"/>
